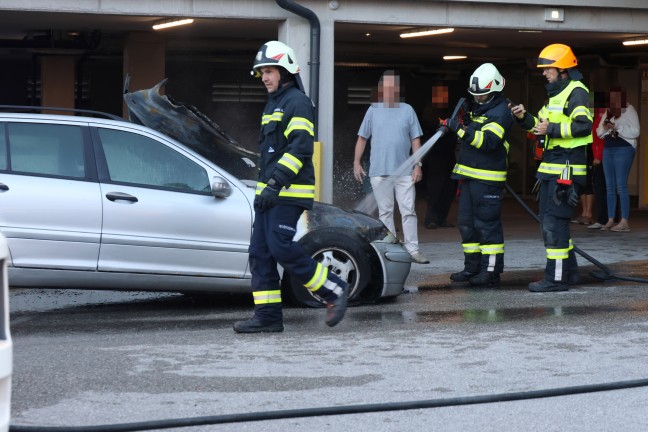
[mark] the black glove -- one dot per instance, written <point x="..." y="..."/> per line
<point x="566" y="194"/>
<point x="452" y="124"/>
<point x="268" y="197"/>
<point x="572" y="196"/>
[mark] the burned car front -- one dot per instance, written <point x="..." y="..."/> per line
<point x="356" y="246"/>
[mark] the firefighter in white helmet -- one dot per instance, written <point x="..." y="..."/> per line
<point x="481" y="169"/>
<point x="286" y="188"/>
<point x="566" y="123"/>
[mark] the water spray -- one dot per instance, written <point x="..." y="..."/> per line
<point x="368" y="203"/>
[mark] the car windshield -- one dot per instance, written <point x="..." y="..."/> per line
<point x="186" y="124"/>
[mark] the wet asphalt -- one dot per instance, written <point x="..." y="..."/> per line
<point x="93" y="357"/>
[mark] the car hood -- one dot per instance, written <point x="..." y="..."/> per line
<point x="187" y="125"/>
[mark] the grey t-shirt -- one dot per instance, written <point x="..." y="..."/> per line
<point x="391" y="130"/>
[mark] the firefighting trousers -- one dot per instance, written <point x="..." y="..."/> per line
<point x="554" y="223"/>
<point x="480" y="225"/>
<point x="271" y="244"/>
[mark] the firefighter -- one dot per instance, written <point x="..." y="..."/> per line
<point x="482" y="166"/>
<point x="566" y="124"/>
<point x="286" y="187"/>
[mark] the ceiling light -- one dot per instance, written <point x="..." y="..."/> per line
<point x="554" y="14"/>
<point x="171" y="23"/>
<point x="429" y="32"/>
<point x="636" y="42"/>
<point x="454" y="57"/>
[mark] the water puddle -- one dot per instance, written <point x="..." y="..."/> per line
<point x="497" y="315"/>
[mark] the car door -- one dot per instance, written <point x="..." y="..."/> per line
<point x="159" y="215"/>
<point x="50" y="207"/>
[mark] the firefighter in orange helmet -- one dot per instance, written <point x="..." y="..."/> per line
<point x="566" y="123"/>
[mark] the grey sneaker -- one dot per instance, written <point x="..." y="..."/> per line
<point x="596" y="226"/>
<point x="418" y="258"/>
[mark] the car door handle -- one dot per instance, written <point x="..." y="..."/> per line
<point x="114" y="196"/>
<point x="4" y="187"/>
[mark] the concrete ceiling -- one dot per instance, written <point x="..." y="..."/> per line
<point x="356" y="44"/>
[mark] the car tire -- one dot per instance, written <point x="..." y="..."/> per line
<point x="346" y="255"/>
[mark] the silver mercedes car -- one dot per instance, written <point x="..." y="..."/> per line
<point x="106" y="203"/>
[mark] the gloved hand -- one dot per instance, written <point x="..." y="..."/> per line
<point x="453" y="124"/>
<point x="267" y="198"/>
<point x="566" y="194"/>
<point x="572" y="196"/>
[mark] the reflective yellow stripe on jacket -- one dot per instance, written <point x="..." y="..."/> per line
<point x="299" y="123"/>
<point x="479" y="173"/>
<point x="275" y="116"/>
<point x="291" y="162"/>
<point x="294" y="191"/>
<point x="556" y="169"/>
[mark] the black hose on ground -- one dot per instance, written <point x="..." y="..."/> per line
<point x="606" y="273"/>
<point x="339" y="410"/>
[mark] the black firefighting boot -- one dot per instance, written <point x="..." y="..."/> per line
<point x="463" y="276"/>
<point x="336" y="307"/>
<point x="254" y="325"/>
<point x="485" y="279"/>
<point x="545" y="285"/>
<point x="471" y="268"/>
<point x="267" y="318"/>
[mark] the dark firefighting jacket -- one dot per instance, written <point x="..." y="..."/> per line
<point x="286" y="145"/>
<point x="483" y="154"/>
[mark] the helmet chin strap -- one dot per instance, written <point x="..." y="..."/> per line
<point x="287" y="77"/>
<point x="490" y="98"/>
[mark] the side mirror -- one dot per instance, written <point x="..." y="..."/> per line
<point x="220" y="188"/>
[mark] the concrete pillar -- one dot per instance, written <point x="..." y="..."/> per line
<point x="295" y="32"/>
<point x="144" y="60"/>
<point x="57" y="81"/>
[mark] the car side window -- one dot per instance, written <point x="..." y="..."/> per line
<point x="140" y="160"/>
<point x="48" y="149"/>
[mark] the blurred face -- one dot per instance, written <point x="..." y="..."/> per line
<point x="551" y="74"/>
<point x="616" y="100"/>
<point x="389" y="90"/>
<point x="482" y="99"/>
<point x="270" y="78"/>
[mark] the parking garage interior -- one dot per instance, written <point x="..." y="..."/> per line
<point x="208" y="65"/>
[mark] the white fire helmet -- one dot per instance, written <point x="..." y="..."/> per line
<point x="275" y="53"/>
<point x="486" y="79"/>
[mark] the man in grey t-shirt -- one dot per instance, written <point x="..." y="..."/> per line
<point x="394" y="131"/>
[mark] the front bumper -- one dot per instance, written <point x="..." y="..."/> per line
<point x="396" y="263"/>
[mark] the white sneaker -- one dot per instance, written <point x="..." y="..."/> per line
<point x="596" y="225"/>
<point x="418" y="258"/>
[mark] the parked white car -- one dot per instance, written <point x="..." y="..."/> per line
<point x="104" y="203"/>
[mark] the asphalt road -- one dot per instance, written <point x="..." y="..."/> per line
<point x="92" y="358"/>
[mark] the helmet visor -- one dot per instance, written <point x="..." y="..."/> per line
<point x="545" y="62"/>
<point x="474" y="88"/>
